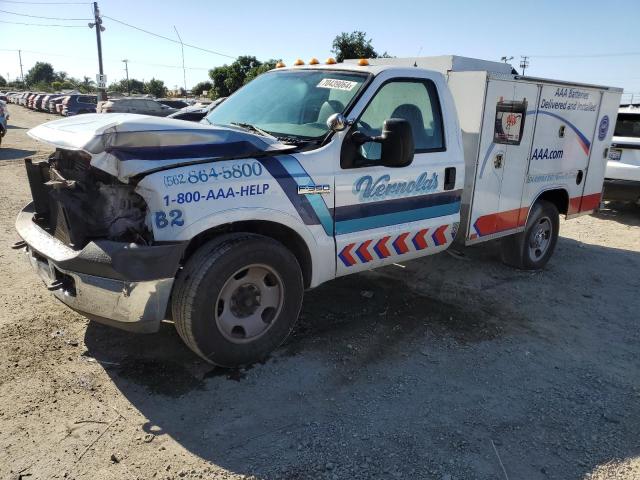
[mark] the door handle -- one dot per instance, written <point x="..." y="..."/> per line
<point x="449" y="178"/>
<point x="498" y="160"/>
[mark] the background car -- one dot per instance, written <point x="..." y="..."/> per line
<point x="53" y="102"/>
<point x="173" y="103"/>
<point x="622" y="176"/>
<point x="78" y="104"/>
<point x="4" y="116"/>
<point x="196" y="112"/>
<point x="143" y="106"/>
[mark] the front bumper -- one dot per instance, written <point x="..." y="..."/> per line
<point x="123" y="285"/>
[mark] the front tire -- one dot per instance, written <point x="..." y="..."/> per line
<point x="237" y="299"/>
<point x="532" y="249"/>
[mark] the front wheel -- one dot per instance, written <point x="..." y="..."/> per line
<point x="237" y="299"/>
<point x="532" y="249"/>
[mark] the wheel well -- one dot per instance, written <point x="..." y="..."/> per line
<point x="285" y="235"/>
<point x="559" y="197"/>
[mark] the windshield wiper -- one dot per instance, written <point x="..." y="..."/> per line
<point x="252" y="128"/>
<point x="296" y="141"/>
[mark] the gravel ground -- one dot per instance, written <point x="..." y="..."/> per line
<point x="451" y="367"/>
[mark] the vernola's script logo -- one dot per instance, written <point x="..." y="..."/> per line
<point x="367" y="188"/>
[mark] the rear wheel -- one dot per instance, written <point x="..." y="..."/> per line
<point x="237" y="299"/>
<point x="532" y="249"/>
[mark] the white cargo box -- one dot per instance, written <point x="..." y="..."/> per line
<point x="523" y="136"/>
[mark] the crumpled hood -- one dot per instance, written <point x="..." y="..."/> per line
<point x="126" y="145"/>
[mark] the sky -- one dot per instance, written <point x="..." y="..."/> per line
<point x="584" y="41"/>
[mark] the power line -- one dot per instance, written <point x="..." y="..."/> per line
<point x="42" y="24"/>
<point x="45" y="3"/>
<point x="45" y="18"/>
<point x="167" y="38"/>
<point x="112" y="60"/>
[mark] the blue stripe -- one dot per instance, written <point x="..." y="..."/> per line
<point x="581" y="136"/>
<point x="290" y="188"/>
<point x="378" y="221"/>
<point x="205" y="150"/>
<point x="371" y="209"/>
<point x="313" y="210"/>
<point x="288" y="172"/>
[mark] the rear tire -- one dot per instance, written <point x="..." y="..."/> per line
<point x="237" y="299"/>
<point x="532" y="249"/>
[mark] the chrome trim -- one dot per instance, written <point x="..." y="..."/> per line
<point x="104" y="298"/>
<point x="493" y="236"/>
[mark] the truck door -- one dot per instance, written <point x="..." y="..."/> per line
<point x="505" y="143"/>
<point x="384" y="215"/>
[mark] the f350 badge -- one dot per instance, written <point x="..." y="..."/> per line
<point x="309" y="189"/>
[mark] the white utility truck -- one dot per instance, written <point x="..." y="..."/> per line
<point x="622" y="175"/>
<point x="306" y="174"/>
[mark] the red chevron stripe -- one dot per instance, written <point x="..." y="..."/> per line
<point x="399" y="244"/>
<point x="438" y="235"/>
<point x="419" y="240"/>
<point x="363" y="252"/>
<point x="345" y="255"/>
<point x="381" y="248"/>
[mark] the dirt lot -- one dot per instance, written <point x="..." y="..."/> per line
<point x="445" y="368"/>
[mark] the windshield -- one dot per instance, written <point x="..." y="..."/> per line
<point x="627" y="125"/>
<point x="294" y="104"/>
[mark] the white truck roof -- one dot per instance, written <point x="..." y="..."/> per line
<point x="443" y="64"/>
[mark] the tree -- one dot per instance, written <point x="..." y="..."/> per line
<point x="136" y="86"/>
<point x="353" y="45"/>
<point x="200" y="87"/>
<point x="155" y="87"/>
<point x="228" y="78"/>
<point x="60" y="76"/>
<point x="3" y="82"/>
<point x="265" y="67"/>
<point x="41" y="72"/>
<point x="87" y="85"/>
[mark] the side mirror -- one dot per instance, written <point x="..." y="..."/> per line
<point x="397" y="143"/>
<point x="337" y="122"/>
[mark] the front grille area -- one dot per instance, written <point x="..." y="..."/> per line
<point x="50" y="214"/>
<point x="75" y="203"/>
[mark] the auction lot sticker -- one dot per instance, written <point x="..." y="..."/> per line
<point x="336" y="84"/>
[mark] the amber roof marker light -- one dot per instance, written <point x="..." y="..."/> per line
<point x="298" y="62"/>
<point x="314" y="61"/>
<point x="363" y="62"/>
<point x="331" y="61"/>
<point x="280" y="65"/>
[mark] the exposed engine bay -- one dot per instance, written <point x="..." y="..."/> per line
<point x="78" y="203"/>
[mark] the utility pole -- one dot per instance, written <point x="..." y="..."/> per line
<point x="184" y="71"/>
<point x="524" y="63"/>
<point x="126" y="69"/>
<point x="21" y="73"/>
<point x="102" y="94"/>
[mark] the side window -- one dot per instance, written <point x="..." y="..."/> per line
<point x="414" y="101"/>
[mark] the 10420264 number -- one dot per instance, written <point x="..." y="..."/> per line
<point x="173" y="219"/>
<point x="203" y="175"/>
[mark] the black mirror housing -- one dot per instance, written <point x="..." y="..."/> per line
<point x="397" y="143"/>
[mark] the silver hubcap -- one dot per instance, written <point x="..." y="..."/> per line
<point x="540" y="238"/>
<point x="249" y="302"/>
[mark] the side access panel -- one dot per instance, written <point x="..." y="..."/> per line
<point x="563" y="150"/>
<point x="505" y="142"/>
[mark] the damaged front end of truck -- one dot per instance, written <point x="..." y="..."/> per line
<point x="88" y="230"/>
